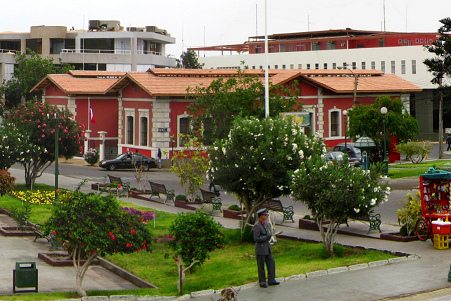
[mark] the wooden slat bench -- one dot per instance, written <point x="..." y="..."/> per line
<point x="276" y="205"/>
<point x="158" y="189"/>
<point x="209" y="197"/>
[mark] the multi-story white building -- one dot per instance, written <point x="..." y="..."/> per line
<point x="104" y="46"/>
<point x="397" y="53"/>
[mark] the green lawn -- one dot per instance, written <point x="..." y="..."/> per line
<point x="404" y="170"/>
<point x="235" y="264"/>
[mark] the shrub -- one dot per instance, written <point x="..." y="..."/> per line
<point x="234" y="207"/>
<point x="195" y="236"/>
<point x="91" y="156"/>
<point x="410" y="213"/>
<point x="415" y="151"/>
<point x="180" y="197"/>
<point x="6" y="182"/>
<point x="22" y="215"/>
<point x="91" y="225"/>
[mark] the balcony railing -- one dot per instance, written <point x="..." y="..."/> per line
<point x="9" y="51"/>
<point x="111" y="51"/>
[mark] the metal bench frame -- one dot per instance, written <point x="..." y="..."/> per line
<point x="157" y="189"/>
<point x="209" y="197"/>
<point x="276" y="205"/>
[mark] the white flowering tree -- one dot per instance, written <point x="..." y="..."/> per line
<point x="257" y="159"/>
<point x="335" y="192"/>
<point x="12" y="145"/>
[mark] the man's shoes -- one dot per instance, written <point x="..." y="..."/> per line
<point x="263" y="285"/>
<point x="273" y="283"/>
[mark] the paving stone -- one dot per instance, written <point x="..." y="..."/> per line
<point x="413" y="257"/>
<point x="295" y="277"/>
<point x="397" y="260"/>
<point x="337" y="270"/>
<point x="360" y="266"/>
<point x="154" y="298"/>
<point x="202" y="293"/>
<point x="316" y="274"/>
<point x="378" y="263"/>
<point x="247" y="285"/>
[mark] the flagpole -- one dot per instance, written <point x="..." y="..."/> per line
<point x="89" y="113"/>
<point x="266" y="62"/>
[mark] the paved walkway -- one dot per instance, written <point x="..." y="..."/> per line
<point x="426" y="274"/>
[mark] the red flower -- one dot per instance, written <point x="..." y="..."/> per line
<point x="133" y="232"/>
<point x="128" y="245"/>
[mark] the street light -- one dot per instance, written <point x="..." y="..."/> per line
<point x="56" y="128"/>
<point x="384" y="111"/>
<point x="345" y="114"/>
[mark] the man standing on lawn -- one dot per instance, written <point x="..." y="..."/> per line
<point x="263" y="251"/>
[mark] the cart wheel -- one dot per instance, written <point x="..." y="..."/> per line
<point x="422" y="229"/>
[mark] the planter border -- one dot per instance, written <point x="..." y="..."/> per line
<point x="15" y="231"/>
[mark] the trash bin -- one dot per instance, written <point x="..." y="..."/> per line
<point x="25" y="276"/>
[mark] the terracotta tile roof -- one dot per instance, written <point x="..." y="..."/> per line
<point x="388" y="83"/>
<point x="206" y="72"/>
<point x="77" y="85"/>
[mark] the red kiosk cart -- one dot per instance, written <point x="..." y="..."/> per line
<point x="435" y="207"/>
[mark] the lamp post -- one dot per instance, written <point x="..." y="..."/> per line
<point x="345" y="114"/>
<point x="56" y="152"/>
<point x="384" y="111"/>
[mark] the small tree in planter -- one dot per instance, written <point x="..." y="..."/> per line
<point x="191" y="166"/>
<point x="195" y="236"/>
<point x="91" y="225"/>
<point x="409" y="214"/>
<point x="255" y="162"/>
<point x="335" y="193"/>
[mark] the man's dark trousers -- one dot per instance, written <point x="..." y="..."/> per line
<point x="264" y="254"/>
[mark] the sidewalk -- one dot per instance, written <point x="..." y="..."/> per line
<point x="426" y="274"/>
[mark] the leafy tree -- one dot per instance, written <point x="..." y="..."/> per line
<point x="256" y="160"/>
<point x="13" y="144"/>
<point x="228" y="98"/>
<point x="335" y="192"/>
<point x="415" y="151"/>
<point x="189" y="60"/>
<point x="31" y="68"/>
<point x="440" y="67"/>
<point x="191" y="166"/>
<point x="368" y="121"/>
<point x="92" y="225"/>
<point x="195" y="236"/>
<point x="36" y="122"/>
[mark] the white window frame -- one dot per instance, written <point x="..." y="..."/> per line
<point x="414" y="66"/>
<point x="129" y="113"/>
<point x="393" y="67"/>
<point x="144" y="113"/>
<point x="339" y="123"/>
<point x="184" y="115"/>
<point x="403" y="67"/>
<point x="311" y="110"/>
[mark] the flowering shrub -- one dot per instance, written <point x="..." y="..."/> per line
<point x="6" y="182"/>
<point x="92" y="156"/>
<point x="91" y="225"/>
<point x="37" y="123"/>
<point x="144" y="216"/>
<point x="335" y="193"/>
<point x="256" y="160"/>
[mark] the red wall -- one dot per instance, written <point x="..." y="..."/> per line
<point x="134" y="91"/>
<point x="177" y="108"/>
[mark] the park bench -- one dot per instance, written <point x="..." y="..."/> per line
<point x="215" y="188"/>
<point x="209" y="197"/>
<point x="118" y="185"/>
<point x="374" y="220"/>
<point x="38" y="233"/>
<point x="158" y="189"/>
<point x="276" y="205"/>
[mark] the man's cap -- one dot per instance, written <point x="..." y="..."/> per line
<point x="262" y="211"/>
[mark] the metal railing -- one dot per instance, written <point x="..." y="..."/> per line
<point x="9" y="51"/>
<point x="109" y="51"/>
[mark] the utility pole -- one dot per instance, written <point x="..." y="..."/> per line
<point x="440" y="119"/>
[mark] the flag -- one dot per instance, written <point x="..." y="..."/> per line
<point x="91" y="113"/>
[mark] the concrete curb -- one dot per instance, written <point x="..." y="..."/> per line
<point x="211" y="292"/>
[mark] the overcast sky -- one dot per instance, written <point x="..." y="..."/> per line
<point x="226" y="21"/>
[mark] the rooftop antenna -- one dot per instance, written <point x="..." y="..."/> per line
<point x="383" y="7"/>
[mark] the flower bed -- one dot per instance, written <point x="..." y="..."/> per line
<point x="36" y="197"/>
<point x="145" y="216"/>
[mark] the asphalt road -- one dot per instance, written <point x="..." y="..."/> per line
<point x="96" y="174"/>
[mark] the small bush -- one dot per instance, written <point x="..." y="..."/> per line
<point x="234" y="207"/>
<point x="308" y="217"/>
<point x="91" y="156"/>
<point x="22" y="214"/>
<point x="410" y="213"/>
<point x="180" y="197"/>
<point x="6" y="182"/>
<point x="415" y="151"/>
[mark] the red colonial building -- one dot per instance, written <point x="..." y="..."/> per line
<point x="144" y="111"/>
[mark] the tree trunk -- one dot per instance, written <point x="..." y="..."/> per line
<point x="440" y="123"/>
<point x="328" y="235"/>
<point x="81" y="269"/>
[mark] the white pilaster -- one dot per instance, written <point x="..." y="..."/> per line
<point x="102" y="135"/>
<point x="160" y="124"/>
<point x="320" y="116"/>
<point x="86" y="142"/>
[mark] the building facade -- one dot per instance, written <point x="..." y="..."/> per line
<point x="105" y="46"/>
<point x="145" y="111"/>
<point x="396" y="53"/>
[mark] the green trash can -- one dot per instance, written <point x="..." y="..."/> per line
<point x="25" y="276"/>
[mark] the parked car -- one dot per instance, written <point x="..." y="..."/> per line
<point x="129" y="161"/>
<point x="354" y="153"/>
<point x="334" y="156"/>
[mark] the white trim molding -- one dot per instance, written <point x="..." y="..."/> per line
<point x="130" y="113"/>
<point x="339" y="132"/>
<point x="143" y="113"/>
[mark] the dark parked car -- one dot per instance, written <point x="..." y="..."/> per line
<point x="354" y="153"/>
<point x="128" y="161"/>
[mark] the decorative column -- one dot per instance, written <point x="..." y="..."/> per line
<point x="120" y="121"/>
<point x="102" y="135"/>
<point x="87" y="136"/>
<point x="320" y="131"/>
<point x="161" y="125"/>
